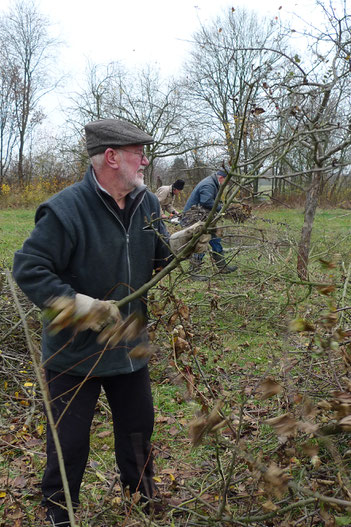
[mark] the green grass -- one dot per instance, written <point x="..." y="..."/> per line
<point x="15" y="227"/>
<point x="237" y="332"/>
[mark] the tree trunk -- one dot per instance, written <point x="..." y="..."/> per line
<point x="311" y="203"/>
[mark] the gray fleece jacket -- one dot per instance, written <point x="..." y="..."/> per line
<point x="80" y="245"/>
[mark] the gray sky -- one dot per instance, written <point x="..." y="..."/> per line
<point x="134" y="32"/>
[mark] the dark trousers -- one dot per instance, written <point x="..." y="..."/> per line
<point x="131" y="404"/>
<point x="216" y="244"/>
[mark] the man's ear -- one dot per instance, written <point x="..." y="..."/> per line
<point x="112" y="157"/>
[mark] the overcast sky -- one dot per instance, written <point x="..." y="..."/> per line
<point x="134" y="32"/>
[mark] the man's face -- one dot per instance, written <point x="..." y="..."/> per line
<point x="176" y="191"/>
<point x="221" y="180"/>
<point x="132" y="165"/>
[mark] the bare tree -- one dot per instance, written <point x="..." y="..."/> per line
<point x="272" y="110"/>
<point x="224" y="80"/>
<point x="320" y="83"/>
<point x="8" y="136"/>
<point x="26" y="50"/>
<point x="142" y="98"/>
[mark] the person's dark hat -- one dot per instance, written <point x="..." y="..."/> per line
<point x="178" y="184"/>
<point x="111" y="133"/>
<point x="221" y="173"/>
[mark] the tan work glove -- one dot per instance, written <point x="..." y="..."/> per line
<point x="127" y="329"/>
<point x="180" y="239"/>
<point x="82" y="312"/>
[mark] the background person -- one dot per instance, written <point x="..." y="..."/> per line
<point x="204" y="195"/>
<point x="166" y="195"/>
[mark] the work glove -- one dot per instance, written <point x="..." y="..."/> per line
<point x="81" y="312"/>
<point x="180" y="239"/>
<point x="128" y="330"/>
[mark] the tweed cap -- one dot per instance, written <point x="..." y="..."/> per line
<point x="107" y="133"/>
<point x="221" y="173"/>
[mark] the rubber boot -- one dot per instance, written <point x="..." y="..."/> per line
<point x="58" y="517"/>
<point x="222" y="265"/>
<point x="195" y="267"/>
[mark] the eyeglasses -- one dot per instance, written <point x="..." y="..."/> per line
<point x="141" y="154"/>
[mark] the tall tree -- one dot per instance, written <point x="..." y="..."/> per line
<point x="27" y="50"/>
<point x="8" y="136"/>
<point x="224" y="76"/>
<point x="320" y="82"/>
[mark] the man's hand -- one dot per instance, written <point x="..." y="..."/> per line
<point x="181" y="239"/>
<point x="82" y="312"/>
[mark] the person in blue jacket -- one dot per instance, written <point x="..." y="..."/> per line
<point x="204" y="195"/>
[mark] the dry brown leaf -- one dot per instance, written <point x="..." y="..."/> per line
<point x="345" y="423"/>
<point x="326" y="264"/>
<point x="300" y="325"/>
<point x="19" y="482"/>
<point x="142" y="351"/>
<point x="344" y="397"/>
<point x="179" y="332"/>
<point x="284" y="425"/>
<point x="341" y="403"/>
<point x="276" y="479"/>
<point x="190" y="380"/>
<point x="307" y="427"/>
<point x="172" y="320"/>
<point x="105" y="433"/>
<point x="330" y="319"/>
<point x="220" y="425"/>
<point x="348" y="383"/>
<point x="134" y="325"/>
<point x="326" y="289"/>
<point x="269" y="506"/>
<point x="156" y="309"/>
<point x="152" y="335"/>
<point x="310" y="449"/>
<point x="197" y="429"/>
<point x="258" y="111"/>
<point x="308" y="408"/>
<point x="215" y="417"/>
<point x="325" y="405"/>
<point x="180" y="345"/>
<point x="204" y="424"/>
<point x="268" y="388"/>
<point x="287" y="365"/>
<point x="316" y="461"/>
<point x="183" y="311"/>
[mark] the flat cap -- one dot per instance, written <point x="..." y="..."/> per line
<point x="221" y="173"/>
<point x="107" y="133"/>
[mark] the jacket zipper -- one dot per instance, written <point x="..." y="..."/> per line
<point x="127" y="243"/>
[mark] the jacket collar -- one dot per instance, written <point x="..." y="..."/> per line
<point x="215" y="179"/>
<point x="90" y="179"/>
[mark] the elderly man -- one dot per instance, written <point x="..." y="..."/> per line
<point x="95" y="242"/>
<point x="204" y="195"/>
<point x="166" y="195"/>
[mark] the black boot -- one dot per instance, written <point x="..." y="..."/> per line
<point x="222" y="265"/>
<point x="195" y="268"/>
<point x="58" y="517"/>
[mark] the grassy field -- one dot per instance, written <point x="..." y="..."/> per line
<point x="224" y="343"/>
<point x="15" y="226"/>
